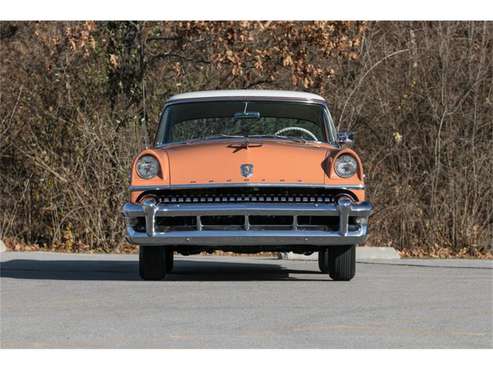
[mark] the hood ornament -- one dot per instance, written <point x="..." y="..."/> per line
<point x="246" y="170"/>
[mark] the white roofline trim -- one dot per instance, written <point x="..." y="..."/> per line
<point x="247" y="94"/>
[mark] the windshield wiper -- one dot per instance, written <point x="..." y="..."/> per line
<point x="223" y="136"/>
<point x="290" y="138"/>
<point x="214" y="137"/>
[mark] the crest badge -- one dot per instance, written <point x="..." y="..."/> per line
<point x="246" y="170"/>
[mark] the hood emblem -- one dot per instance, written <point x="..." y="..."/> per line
<point x="246" y="170"/>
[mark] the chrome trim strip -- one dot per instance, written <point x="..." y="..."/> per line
<point x="245" y="185"/>
<point x="362" y="209"/>
<point x="247" y="238"/>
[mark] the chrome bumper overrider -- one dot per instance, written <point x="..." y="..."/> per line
<point x="247" y="236"/>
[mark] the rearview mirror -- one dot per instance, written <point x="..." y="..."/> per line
<point x="345" y="138"/>
<point x="247" y="115"/>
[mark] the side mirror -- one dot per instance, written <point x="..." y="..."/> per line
<point x="345" y="138"/>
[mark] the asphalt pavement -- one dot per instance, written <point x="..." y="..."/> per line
<point x="53" y="300"/>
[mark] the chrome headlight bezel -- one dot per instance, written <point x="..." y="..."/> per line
<point x="147" y="167"/>
<point x="345" y="166"/>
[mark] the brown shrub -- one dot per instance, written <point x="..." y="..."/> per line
<point x="417" y="94"/>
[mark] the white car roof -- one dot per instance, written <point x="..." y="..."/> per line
<point x="248" y="94"/>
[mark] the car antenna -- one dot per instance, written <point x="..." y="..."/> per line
<point x="144" y="108"/>
<point x="144" y="117"/>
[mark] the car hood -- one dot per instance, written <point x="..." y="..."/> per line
<point x="237" y="161"/>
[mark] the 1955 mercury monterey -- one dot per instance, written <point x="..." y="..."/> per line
<point x="247" y="171"/>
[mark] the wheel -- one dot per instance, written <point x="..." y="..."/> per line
<point x="169" y="260"/>
<point x="323" y="260"/>
<point x="342" y="262"/>
<point x="152" y="262"/>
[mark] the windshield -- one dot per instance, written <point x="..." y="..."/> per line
<point x="186" y="122"/>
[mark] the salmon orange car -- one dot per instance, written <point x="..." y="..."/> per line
<point x="247" y="171"/>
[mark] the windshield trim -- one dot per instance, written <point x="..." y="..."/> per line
<point x="330" y="132"/>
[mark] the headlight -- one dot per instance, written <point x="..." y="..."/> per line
<point x="147" y="167"/>
<point x="345" y="166"/>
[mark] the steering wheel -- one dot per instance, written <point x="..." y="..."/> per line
<point x="294" y="128"/>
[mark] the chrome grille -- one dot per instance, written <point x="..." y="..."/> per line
<point x="254" y="198"/>
<point x="252" y="222"/>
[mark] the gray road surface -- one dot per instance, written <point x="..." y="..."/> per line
<point x="95" y="301"/>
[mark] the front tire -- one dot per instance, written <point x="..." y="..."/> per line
<point x="323" y="260"/>
<point x="342" y="262"/>
<point x="169" y="260"/>
<point x="152" y="262"/>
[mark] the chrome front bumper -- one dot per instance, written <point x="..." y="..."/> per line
<point x="248" y="236"/>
